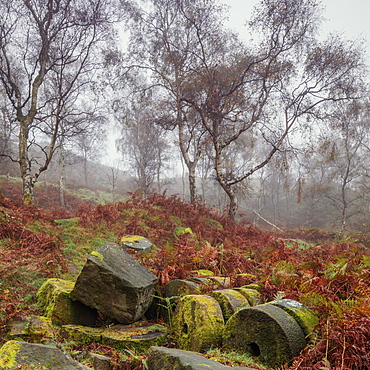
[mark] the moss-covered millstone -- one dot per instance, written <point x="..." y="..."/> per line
<point x="198" y="323"/>
<point x="230" y="301"/>
<point x="305" y="317"/>
<point x="265" y="331"/>
<point x="35" y="328"/>
<point x="13" y="354"/>
<point x="179" y="288"/>
<point x="54" y="298"/>
<point x="137" y="337"/>
<point x="136" y="242"/>
<point x="252" y="295"/>
<point x="221" y="281"/>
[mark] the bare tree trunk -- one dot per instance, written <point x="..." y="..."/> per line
<point x="62" y="166"/>
<point x="25" y="163"/>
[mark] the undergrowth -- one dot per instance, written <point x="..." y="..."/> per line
<point x="330" y="277"/>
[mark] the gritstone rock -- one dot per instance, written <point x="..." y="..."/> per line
<point x="13" y="354"/>
<point x="171" y="358"/>
<point x="115" y="284"/>
<point x="198" y="323"/>
<point x="265" y="331"/>
<point x="136" y="242"/>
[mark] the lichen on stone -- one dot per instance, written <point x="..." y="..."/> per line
<point x="98" y="255"/>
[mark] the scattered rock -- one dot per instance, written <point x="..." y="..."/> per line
<point x="138" y="336"/>
<point x="265" y="331"/>
<point x="230" y="301"/>
<point x="115" y="284"/>
<point x="161" y="358"/>
<point x="136" y="242"/>
<point x="14" y="354"/>
<point x="178" y="287"/>
<point x="100" y="362"/>
<point x="198" y="323"/>
<point x="34" y="328"/>
<point x="54" y="298"/>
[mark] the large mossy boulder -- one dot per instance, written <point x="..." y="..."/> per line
<point x="115" y="284"/>
<point x="54" y="298"/>
<point x="197" y="323"/>
<point x="264" y="331"/>
<point x="14" y="354"/>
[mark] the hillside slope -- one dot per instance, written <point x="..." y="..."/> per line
<point x="332" y="278"/>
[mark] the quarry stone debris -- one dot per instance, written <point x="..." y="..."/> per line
<point x="115" y="284"/>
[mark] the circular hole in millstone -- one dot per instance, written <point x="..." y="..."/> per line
<point x="185" y="328"/>
<point x="254" y="349"/>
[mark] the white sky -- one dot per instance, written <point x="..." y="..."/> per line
<point x="350" y="18"/>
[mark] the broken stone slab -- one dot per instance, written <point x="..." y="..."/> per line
<point x="14" y="353"/>
<point x="264" y="331"/>
<point x="304" y="316"/>
<point x="197" y="323"/>
<point x="115" y="284"/>
<point x="170" y="358"/>
<point x="34" y="328"/>
<point x="136" y="242"/>
<point x="230" y="301"/>
<point x="54" y="298"/>
<point x="137" y="337"/>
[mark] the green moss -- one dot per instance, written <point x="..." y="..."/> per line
<point x="82" y="334"/>
<point x="8" y="354"/>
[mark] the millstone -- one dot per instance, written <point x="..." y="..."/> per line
<point x="265" y="331"/>
<point x="230" y="301"/>
<point x="305" y="317"/>
<point x="198" y="323"/>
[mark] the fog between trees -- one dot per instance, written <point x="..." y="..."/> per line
<point x="276" y="127"/>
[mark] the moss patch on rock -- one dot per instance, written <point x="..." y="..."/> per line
<point x="54" y="298"/>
